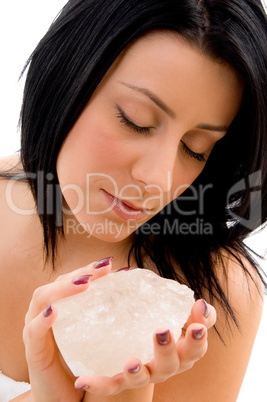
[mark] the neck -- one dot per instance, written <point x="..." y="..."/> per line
<point x="80" y="248"/>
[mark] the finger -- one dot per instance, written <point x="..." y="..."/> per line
<point x="37" y="338"/>
<point x="103" y="386"/>
<point x="48" y="294"/>
<point x="166" y="361"/>
<point x="68" y="285"/>
<point x="202" y="313"/>
<point x="192" y="346"/>
<point x="97" y="269"/>
<point x="136" y="374"/>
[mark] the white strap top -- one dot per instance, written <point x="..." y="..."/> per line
<point x="10" y="388"/>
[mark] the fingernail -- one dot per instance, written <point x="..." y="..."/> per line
<point x="125" y="269"/>
<point x="103" y="263"/>
<point x="48" y="311"/>
<point x="82" y="388"/>
<point x="134" y="369"/>
<point x="206" y="310"/>
<point x="198" y="333"/>
<point x="82" y="280"/>
<point x="163" y="337"/>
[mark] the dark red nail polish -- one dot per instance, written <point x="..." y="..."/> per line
<point x="134" y="369"/>
<point x="198" y="333"/>
<point x="163" y="337"/>
<point x="82" y="388"/>
<point x="206" y="310"/>
<point x="103" y="263"/>
<point x="125" y="269"/>
<point x="48" y="311"/>
<point x="82" y="280"/>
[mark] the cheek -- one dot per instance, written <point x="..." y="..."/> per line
<point x="184" y="179"/>
<point x="104" y="144"/>
<point x="94" y="149"/>
<point x="101" y="142"/>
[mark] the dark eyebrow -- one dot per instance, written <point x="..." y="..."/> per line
<point x="169" y="111"/>
<point x="153" y="97"/>
<point x="210" y="127"/>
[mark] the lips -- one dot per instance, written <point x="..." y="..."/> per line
<point x="125" y="209"/>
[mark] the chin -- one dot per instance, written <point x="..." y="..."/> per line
<point x="105" y="230"/>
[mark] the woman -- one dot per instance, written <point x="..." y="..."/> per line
<point x="143" y="126"/>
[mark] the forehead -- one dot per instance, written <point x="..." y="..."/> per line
<point x="181" y="75"/>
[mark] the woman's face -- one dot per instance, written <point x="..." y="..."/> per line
<point x="145" y="135"/>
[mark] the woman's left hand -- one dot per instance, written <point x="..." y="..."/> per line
<point x="170" y="358"/>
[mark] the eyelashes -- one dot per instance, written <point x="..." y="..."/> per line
<point x="128" y="123"/>
<point x="192" y="154"/>
<point x="200" y="157"/>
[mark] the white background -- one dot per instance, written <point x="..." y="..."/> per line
<point x="23" y="23"/>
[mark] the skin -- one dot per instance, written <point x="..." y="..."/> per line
<point x="157" y="158"/>
<point x="200" y="92"/>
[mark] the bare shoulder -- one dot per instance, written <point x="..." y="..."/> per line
<point x="244" y="290"/>
<point x="9" y="162"/>
<point x="20" y="266"/>
<point x="9" y="166"/>
<point x="243" y="286"/>
<point x="16" y="201"/>
<point x="19" y="225"/>
<point x="20" y="231"/>
<point x="219" y="374"/>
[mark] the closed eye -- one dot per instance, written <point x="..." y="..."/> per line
<point x="200" y="157"/>
<point x="128" y="123"/>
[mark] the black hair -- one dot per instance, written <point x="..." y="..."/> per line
<point x="71" y="60"/>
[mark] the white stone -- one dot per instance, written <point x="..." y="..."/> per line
<point x="116" y="317"/>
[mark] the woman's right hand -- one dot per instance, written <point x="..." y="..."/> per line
<point x="51" y="380"/>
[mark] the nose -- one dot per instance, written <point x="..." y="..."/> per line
<point x="155" y="167"/>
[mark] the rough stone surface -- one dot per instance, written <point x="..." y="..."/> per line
<point x="116" y="317"/>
